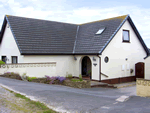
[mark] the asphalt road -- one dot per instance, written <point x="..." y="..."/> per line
<point x="91" y="100"/>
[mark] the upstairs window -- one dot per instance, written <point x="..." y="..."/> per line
<point x="100" y="31"/>
<point x="14" y="60"/>
<point x="126" y="36"/>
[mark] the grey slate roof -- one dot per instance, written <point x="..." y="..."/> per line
<point x="34" y="36"/>
<point x="88" y="41"/>
<point x="41" y="36"/>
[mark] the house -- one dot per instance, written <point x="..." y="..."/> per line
<point x="147" y="67"/>
<point x="105" y="50"/>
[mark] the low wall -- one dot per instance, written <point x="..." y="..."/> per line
<point x="119" y="80"/>
<point x="31" y="69"/>
<point x="142" y="87"/>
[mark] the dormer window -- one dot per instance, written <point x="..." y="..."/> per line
<point x="100" y="31"/>
<point x="126" y="36"/>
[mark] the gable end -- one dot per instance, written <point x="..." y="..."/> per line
<point x="3" y="30"/>
<point x="136" y="32"/>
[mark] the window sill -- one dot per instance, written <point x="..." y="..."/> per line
<point x="125" y="41"/>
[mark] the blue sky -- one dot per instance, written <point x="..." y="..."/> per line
<point x="81" y="11"/>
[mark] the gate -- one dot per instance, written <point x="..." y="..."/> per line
<point x="139" y="70"/>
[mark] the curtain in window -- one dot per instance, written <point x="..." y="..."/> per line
<point x="14" y="60"/>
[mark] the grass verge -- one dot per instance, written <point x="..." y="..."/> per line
<point x="31" y="105"/>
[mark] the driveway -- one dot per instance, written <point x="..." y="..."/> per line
<point x="94" y="100"/>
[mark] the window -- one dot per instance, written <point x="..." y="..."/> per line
<point x="106" y="59"/>
<point x="14" y="60"/>
<point x="126" y="37"/>
<point x="100" y="31"/>
<point x="4" y="59"/>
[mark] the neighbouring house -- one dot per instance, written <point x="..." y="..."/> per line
<point x="105" y="50"/>
<point x="147" y="68"/>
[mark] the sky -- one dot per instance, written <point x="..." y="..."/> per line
<point x="81" y="11"/>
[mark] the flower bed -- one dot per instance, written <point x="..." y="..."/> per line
<point x="12" y="75"/>
<point x="69" y="81"/>
<point x="39" y="80"/>
<point x="77" y="84"/>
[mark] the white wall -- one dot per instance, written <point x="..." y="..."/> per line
<point x="117" y="51"/>
<point x="147" y="68"/>
<point x="32" y="70"/>
<point x="95" y="69"/>
<point x="8" y="46"/>
<point x="65" y="64"/>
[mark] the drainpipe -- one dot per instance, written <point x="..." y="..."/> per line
<point x="99" y="68"/>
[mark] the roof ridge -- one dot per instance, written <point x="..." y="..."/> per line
<point x="41" y="19"/>
<point x="123" y="17"/>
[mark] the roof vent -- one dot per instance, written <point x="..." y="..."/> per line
<point x="100" y="31"/>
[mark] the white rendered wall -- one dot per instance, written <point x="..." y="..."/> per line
<point x="8" y="46"/>
<point x="32" y="70"/>
<point x="65" y="64"/>
<point x="147" y="68"/>
<point x="95" y="69"/>
<point x="117" y="51"/>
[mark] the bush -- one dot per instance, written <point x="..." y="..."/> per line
<point x="1" y="62"/>
<point x="80" y="77"/>
<point x="31" y="78"/>
<point x="89" y="71"/>
<point x="12" y="75"/>
<point x="69" y="76"/>
<point x="52" y="80"/>
<point x="75" y="80"/>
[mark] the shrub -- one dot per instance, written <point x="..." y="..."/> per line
<point x="89" y="71"/>
<point x="24" y="77"/>
<point x="47" y="77"/>
<point x="30" y="78"/>
<point x="12" y="75"/>
<point x="1" y="62"/>
<point x="52" y="80"/>
<point x="75" y="80"/>
<point x="80" y="77"/>
<point x="61" y="79"/>
<point x="69" y="76"/>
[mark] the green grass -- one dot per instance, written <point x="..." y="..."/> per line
<point x="35" y="103"/>
<point x="22" y="96"/>
<point x="76" y="80"/>
<point x="31" y="78"/>
<point x="1" y="62"/>
<point x="69" y="76"/>
<point x="32" y="104"/>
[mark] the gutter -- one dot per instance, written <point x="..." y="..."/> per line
<point x="99" y="68"/>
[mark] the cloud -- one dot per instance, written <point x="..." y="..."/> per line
<point x="59" y="10"/>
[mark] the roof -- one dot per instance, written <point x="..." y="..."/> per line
<point x="87" y="41"/>
<point x="34" y="36"/>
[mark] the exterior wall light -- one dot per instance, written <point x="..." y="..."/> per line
<point x="94" y="59"/>
<point x="75" y="58"/>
